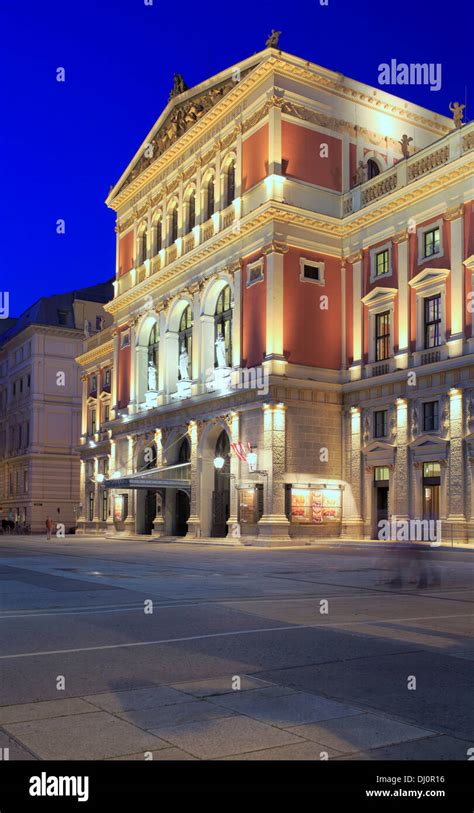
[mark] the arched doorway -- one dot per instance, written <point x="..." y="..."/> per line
<point x="221" y="493"/>
<point x="182" y="504"/>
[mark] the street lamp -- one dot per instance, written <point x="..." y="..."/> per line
<point x="219" y="463"/>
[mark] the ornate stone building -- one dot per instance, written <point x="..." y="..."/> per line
<point x="292" y="347"/>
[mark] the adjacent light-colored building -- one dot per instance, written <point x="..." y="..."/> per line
<point x="40" y="406"/>
<point x="291" y="353"/>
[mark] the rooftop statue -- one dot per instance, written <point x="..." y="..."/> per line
<point x="405" y="145"/>
<point x="457" y="111"/>
<point x="179" y="85"/>
<point x="272" y="41"/>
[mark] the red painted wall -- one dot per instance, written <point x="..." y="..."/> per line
<point x="312" y="336"/>
<point x="126" y="253"/>
<point x="255" y="158"/>
<point x="383" y="282"/>
<point x="349" y="315"/>
<point x="254" y="322"/>
<point x="300" y="149"/>
<point x="123" y="383"/>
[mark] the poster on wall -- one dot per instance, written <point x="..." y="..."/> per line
<point x="120" y="507"/>
<point x="315" y="506"/>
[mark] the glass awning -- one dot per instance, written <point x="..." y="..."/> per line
<point x="177" y="476"/>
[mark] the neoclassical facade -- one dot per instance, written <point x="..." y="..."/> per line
<point x="291" y="354"/>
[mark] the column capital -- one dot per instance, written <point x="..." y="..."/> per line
<point x="354" y="258"/>
<point x="454" y="212"/>
<point x="400" y="237"/>
<point x="275" y="247"/>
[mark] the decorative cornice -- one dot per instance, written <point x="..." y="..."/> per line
<point x="454" y="213"/>
<point x="354" y="258"/>
<point x="95" y="354"/>
<point x="275" y="248"/>
<point x="400" y="237"/>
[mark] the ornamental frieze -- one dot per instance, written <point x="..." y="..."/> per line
<point x="179" y="120"/>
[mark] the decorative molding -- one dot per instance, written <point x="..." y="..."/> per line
<point x="400" y="237"/>
<point x="354" y="258"/>
<point x="275" y="248"/>
<point x="454" y="212"/>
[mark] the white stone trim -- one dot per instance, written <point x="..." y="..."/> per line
<point x="250" y="268"/>
<point x="438" y="224"/>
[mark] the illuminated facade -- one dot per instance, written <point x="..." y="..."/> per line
<point x="291" y="354"/>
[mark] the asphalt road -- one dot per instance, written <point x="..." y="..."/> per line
<point x="114" y="650"/>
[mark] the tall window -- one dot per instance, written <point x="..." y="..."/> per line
<point x="230" y="184"/>
<point x="380" y="423"/>
<point x="381" y="263"/>
<point x="105" y="505"/>
<point x="93" y="421"/>
<point x="431" y="242"/>
<point x="432" y="308"/>
<point x="185" y="335"/>
<point x="157" y="237"/>
<point x="142" y="246"/>
<point x="223" y="325"/>
<point x="210" y="198"/>
<point x="382" y="336"/>
<point x="431" y="416"/>
<point x="174" y="225"/>
<point x="154" y="345"/>
<point x="373" y="168"/>
<point x="191" y="212"/>
<point x="91" y="506"/>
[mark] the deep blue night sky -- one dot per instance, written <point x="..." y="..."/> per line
<point x="64" y="144"/>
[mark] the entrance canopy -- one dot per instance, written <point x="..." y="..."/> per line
<point x="177" y="476"/>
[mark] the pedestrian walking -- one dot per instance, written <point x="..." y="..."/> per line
<point x="49" y="525"/>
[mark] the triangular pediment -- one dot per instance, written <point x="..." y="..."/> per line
<point x="379" y="295"/>
<point x="428" y="277"/>
<point x="185" y="108"/>
<point x="376" y="446"/>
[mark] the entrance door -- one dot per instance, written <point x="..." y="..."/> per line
<point x="221" y="493"/>
<point x="149" y="511"/>
<point x="381" y="503"/>
<point x="431" y="502"/>
<point x="182" y="513"/>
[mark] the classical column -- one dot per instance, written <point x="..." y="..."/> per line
<point x="456" y="220"/>
<point x="170" y="372"/>
<point x="96" y="493"/>
<point x="456" y="518"/>
<point x="274" y="134"/>
<point x="132" y="405"/>
<point x="353" y="503"/>
<point x="194" y="521"/>
<point x="402" y="472"/>
<point x="357" y="315"/>
<point x="81" y="512"/>
<point x="159" y="520"/>
<point x="84" y="404"/>
<point x="130" y="520"/>
<point x="401" y="241"/>
<point x="236" y="271"/>
<point x="234" y="429"/>
<point x="116" y="338"/>
<point x="275" y="361"/>
<point x="111" y="456"/>
<point x="274" y="524"/>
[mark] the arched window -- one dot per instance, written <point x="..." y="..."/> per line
<point x="210" y="198"/>
<point x="174" y="225"/>
<point x="142" y="246"/>
<point x="184" y="454"/>
<point x="157" y="237"/>
<point x="191" y="212"/>
<point x="230" y="184"/>
<point x="185" y="336"/>
<point x="154" y="345"/>
<point x="223" y="326"/>
<point x="373" y="169"/>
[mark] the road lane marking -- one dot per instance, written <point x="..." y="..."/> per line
<point x="230" y="634"/>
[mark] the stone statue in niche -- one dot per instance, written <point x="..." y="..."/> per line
<point x="152" y="378"/>
<point x="183" y="365"/>
<point x="414" y="421"/>
<point x="220" y="351"/>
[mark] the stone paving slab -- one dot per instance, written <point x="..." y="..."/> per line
<point x="83" y="736"/>
<point x="16" y="752"/>
<point x="220" y="685"/>
<point x="153" y="719"/>
<point x="359" y="733"/>
<point x="44" y="710"/>
<point x="287" y="709"/>
<point x="223" y="737"/>
<point x="137" y="698"/>
<point x="308" y="751"/>
<point x="162" y="755"/>
<point x="431" y="748"/>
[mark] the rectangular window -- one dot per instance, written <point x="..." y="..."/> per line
<point x="93" y="422"/>
<point x="431" y="470"/>
<point x="125" y="339"/>
<point x="107" y="378"/>
<point x="107" y="413"/>
<point x="381" y="473"/>
<point x="380" y="423"/>
<point x="382" y="263"/>
<point x="25" y="481"/>
<point x="432" y="317"/>
<point x="382" y="336"/>
<point x="431" y="416"/>
<point x="431" y="242"/>
<point x="315" y="506"/>
<point x="311" y="271"/>
<point x="62" y="317"/>
<point x="93" y="384"/>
